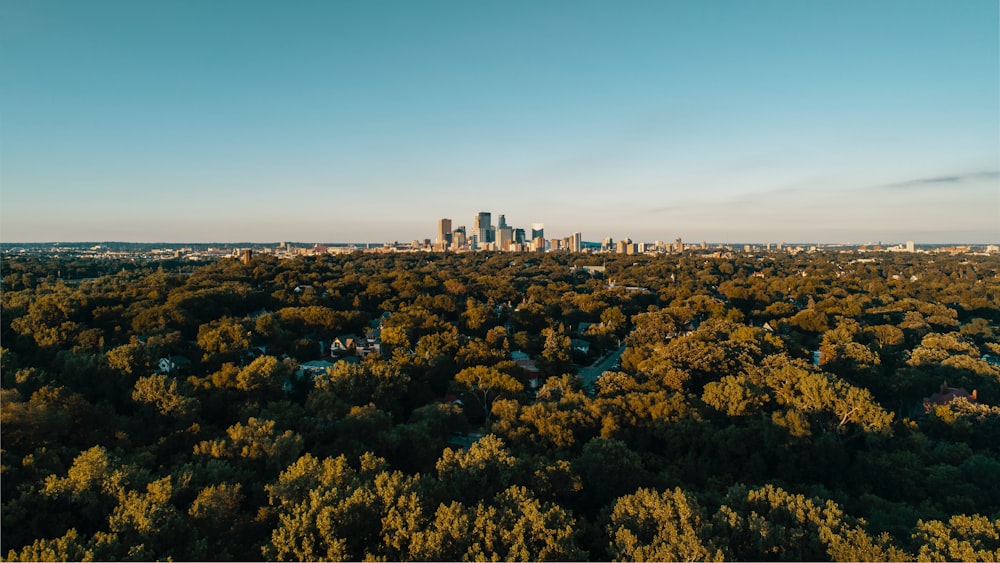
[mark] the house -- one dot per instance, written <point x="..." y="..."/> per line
<point x="172" y="365"/>
<point x="464" y="440"/>
<point x="343" y="343"/>
<point x="527" y="365"/>
<point x="948" y="394"/>
<point x="313" y="368"/>
<point x="379" y="322"/>
<point x="370" y="344"/>
<point x="580" y="345"/>
<point x="362" y="346"/>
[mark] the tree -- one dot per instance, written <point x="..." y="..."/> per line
<point x="486" y="384"/>
<point x="163" y="394"/>
<point x="223" y="339"/>
<point x="963" y="538"/>
<point x="608" y="470"/>
<point x="264" y="374"/>
<point x="660" y="526"/>
<point x="555" y="358"/>
<point x="769" y="523"/>
<point x="258" y="439"/>
<point x="477" y="473"/>
<point x="69" y="547"/>
<point x="146" y="524"/>
<point x="518" y="527"/>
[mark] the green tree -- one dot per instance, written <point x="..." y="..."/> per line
<point x="660" y="526"/>
<point x="258" y="439"/>
<point x="518" y="527"/>
<point x="962" y="538"/>
<point x="223" y="339"/>
<point x="486" y="384"/>
<point x="479" y="472"/>
<point x="163" y="394"/>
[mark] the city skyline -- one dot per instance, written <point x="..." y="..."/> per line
<point x="722" y="121"/>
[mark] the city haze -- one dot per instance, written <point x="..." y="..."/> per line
<point x="843" y="122"/>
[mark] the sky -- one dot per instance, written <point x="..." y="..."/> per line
<point x="356" y="121"/>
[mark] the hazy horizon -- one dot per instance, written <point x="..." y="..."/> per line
<point x="768" y="121"/>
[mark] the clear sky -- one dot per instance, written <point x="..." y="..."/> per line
<point x="337" y="121"/>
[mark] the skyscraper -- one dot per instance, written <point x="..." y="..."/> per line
<point x="444" y="232"/>
<point x="458" y="238"/>
<point x="482" y="230"/>
<point x="576" y="243"/>
<point x="537" y="230"/>
<point x="504" y="236"/>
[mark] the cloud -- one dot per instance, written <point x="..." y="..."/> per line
<point x="938" y="180"/>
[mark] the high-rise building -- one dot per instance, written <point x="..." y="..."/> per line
<point x="482" y="230"/>
<point x="576" y="242"/>
<point x="519" y="236"/>
<point x="504" y="236"/>
<point x="678" y="245"/>
<point x="537" y="230"/>
<point x="623" y="245"/>
<point x="910" y="246"/>
<point x="458" y="238"/>
<point x="444" y="232"/>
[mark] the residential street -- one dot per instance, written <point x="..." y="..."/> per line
<point x="590" y="373"/>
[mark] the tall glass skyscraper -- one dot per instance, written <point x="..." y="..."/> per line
<point x="482" y="228"/>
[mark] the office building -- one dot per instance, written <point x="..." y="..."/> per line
<point x="576" y="242"/>
<point x="458" y="239"/>
<point x="482" y="229"/>
<point x="444" y="232"/>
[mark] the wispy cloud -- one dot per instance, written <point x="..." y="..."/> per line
<point x="938" y="180"/>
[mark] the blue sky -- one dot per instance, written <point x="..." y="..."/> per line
<point x="757" y="121"/>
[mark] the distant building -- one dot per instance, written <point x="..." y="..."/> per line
<point x="482" y="229"/>
<point x="576" y="242"/>
<point x="623" y="245"/>
<point x="910" y="247"/>
<point x="947" y="394"/>
<point x="458" y="238"/>
<point x="444" y="232"/>
<point x="504" y="237"/>
<point x="247" y="255"/>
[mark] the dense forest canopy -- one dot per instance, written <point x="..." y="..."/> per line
<point x="436" y="406"/>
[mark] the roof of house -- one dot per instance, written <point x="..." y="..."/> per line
<point x="948" y="394"/>
<point x="316" y="364"/>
